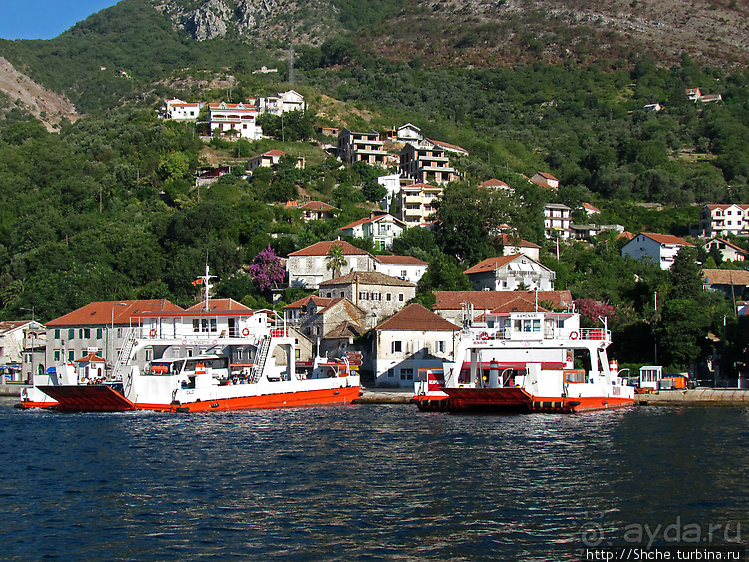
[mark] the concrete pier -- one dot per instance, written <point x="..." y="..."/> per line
<point x="12" y="389"/>
<point x="695" y="397"/>
<point x="385" y="396"/>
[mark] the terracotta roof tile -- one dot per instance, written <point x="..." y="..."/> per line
<point x="220" y="306"/>
<point x="100" y="313"/>
<point x="489" y="300"/>
<point x="399" y="260"/>
<point x="493" y="264"/>
<point x="739" y="277"/>
<point x="322" y="248"/>
<point x="666" y="239"/>
<point x="368" y="278"/>
<point x="416" y="317"/>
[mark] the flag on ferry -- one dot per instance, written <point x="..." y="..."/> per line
<point x="198" y="281"/>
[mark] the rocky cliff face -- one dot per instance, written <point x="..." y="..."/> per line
<point x="308" y="21"/>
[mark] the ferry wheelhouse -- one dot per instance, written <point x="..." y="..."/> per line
<point x="523" y="362"/>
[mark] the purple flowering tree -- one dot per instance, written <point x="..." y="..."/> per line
<point x="592" y="309"/>
<point x="266" y="269"/>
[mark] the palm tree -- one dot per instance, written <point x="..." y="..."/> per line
<point x="336" y="260"/>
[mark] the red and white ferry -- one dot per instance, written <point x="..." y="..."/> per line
<point x="524" y="362"/>
<point x="202" y="359"/>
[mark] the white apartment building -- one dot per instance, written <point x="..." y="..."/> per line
<point x="557" y="220"/>
<point x="416" y="203"/>
<point x="722" y="220"/>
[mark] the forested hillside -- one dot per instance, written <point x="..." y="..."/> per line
<point x="107" y="207"/>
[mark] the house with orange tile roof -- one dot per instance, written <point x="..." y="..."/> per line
<point x="376" y="293"/>
<point x="313" y="210"/>
<point x="723" y="220"/>
<point x="235" y="119"/>
<point x="660" y="249"/>
<point x="496" y="185"/>
<point x="98" y="327"/>
<point x="511" y="273"/>
<point x="181" y="110"/>
<point x="402" y="267"/>
<point x="308" y="267"/>
<point x="590" y="209"/>
<point x="545" y="180"/>
<point x="381" y="228"/>
<point x="733" y="283"/>
<point x="516" y="245"/>
<point x="728" y="250"/>
<point x="447" y="147"/>
<point x="414" y="338"/>
<point x="266" y="159"/>
<point x="455" y="306"/>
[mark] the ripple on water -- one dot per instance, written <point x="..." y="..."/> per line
<point x="359" y="482"/>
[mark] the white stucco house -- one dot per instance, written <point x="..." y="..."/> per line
<point x="728" y="250"/>
<point x="660" y="249"/>
<point x="511" y="273"/>
<point x="403" y="267"/>
<point x="414" y="338"/>
<point x="382" y="229"/>
<point x="235" y="119"/>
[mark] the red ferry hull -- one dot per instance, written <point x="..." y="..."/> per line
<point x="100" y="398"/>
<point x="514" y="400"/>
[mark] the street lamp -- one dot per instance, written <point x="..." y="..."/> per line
<point x="111" y="331"/>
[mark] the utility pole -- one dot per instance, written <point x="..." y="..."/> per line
<point x="655" y="329"/>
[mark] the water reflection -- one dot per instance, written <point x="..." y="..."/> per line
<point x="360" y="482"/>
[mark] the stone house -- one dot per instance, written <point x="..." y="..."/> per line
<point x="414" y="338"/>
<point x="308" y="267"/>
<point x="378" y="294"/>
<point x="545" y="180"/>
<point x="330" y="323"/>
<point x="266" y="159"/>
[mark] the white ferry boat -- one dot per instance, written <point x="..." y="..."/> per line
<point x="523" y="362"/>
<point x="202" y="359"/>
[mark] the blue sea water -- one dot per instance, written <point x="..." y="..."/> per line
<point x="366" y="482"/>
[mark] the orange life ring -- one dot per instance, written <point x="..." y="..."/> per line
<point x="484" y="336"/>
<point x="153" y="332"/>
<point x="246" y="332"/>
<point x="573" y="335"/>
